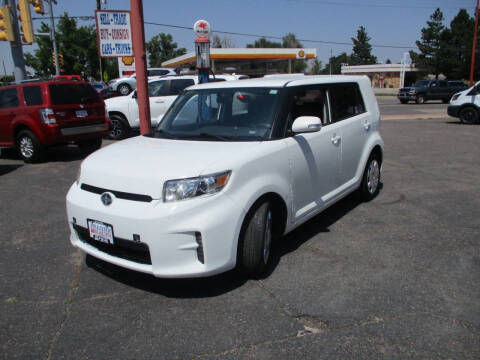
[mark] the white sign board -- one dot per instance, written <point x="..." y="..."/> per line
<point x="114" y="35"/>
<point x="126" y="66"/>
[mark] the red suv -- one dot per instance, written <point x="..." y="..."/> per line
<point x="35" y="115"/>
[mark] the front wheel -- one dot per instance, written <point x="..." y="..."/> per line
<point x="256" y="240"/>
<point x="370" y="185"/>
<point x="124" y="89"/>
<point x="468" y="115"/>
<point x="420" y="99"/>
<point x="29" y="147"/>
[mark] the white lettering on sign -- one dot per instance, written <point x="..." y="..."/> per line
<point x="114" y="33"/>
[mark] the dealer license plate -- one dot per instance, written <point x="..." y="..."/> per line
<point x="81" y="113"/>
<point x="100" y="231"/>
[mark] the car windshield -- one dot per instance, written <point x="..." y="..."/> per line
<point x="225" y="114"/>
<point x="422" y="83"/>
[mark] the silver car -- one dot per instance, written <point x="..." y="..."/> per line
<point x="125" y="85"/>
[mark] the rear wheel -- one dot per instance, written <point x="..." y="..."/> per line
<point x="468" y="115"/>
<point x="118" y="127"/>
<point x="124" y="89"/>
<point x="370" y="186"/>
<point x="29" y="147"/>
<point x="90" y="146"/>
<point x="256" y="240"/>
<point x="420" y="99"/>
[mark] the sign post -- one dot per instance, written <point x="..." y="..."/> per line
<point x="202" y="49"/>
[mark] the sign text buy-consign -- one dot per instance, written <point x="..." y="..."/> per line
<point x="114" y="34"/>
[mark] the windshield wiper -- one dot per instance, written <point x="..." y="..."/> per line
<point x="213" y="136"/>
<point x="166" y="133"/>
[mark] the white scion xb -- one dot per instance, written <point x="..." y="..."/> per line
<point x="230" y="167"/>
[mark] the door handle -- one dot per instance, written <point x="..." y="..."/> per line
<point x="366" y="125"/>
<point x="335" y="139"/>
<point x="159" y="101"/>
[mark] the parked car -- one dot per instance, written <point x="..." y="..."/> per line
<point x="99" y="86"/>
<point x="231" y="167"/>
<point x="40" y="114"/>
<point x="123" y="110"/>
<point x="425" y="90"/>
<point x="125" y="85"/>
<point x="465" y="105"/>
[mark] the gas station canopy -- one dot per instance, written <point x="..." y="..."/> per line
<point x="236" y="55"/>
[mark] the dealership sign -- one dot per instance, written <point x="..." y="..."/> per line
<point x="114" y="35"/>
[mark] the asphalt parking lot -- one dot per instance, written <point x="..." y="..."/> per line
<point x="398" y="277"/>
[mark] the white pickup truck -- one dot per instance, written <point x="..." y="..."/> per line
<point x="123" y="110"/>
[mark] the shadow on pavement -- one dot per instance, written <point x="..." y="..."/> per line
<point x="226" y="282"/>
<point x="53" y="154"/>
<point x="5" y="169"/>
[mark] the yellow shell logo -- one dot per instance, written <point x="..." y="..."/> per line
<point x="301" y="53"/>
<point x="127" y="60"/>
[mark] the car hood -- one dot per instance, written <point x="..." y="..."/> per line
<point x="142" y="164"/>
<point x="116" y="101"/>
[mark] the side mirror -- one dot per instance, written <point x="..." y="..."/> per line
<point x="304" y="124"/>
<point x="134" y="95"/>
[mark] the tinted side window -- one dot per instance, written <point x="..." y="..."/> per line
<point x="443" y="84"/>
<point x="177" y="86"/>
<point x="32" y="95"/>
<point x="157" y="72"/>
<point x="158" y="88"/>
<point x="346" y="101"/>
<point x="8" y="98"/>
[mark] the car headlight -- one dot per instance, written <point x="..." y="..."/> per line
<point x="182" y="189"/>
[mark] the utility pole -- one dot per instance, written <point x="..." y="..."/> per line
<point x="16" y="46"/>
<point x="99" y="7"/>
<point x="138" y="39"/>
<point x="54" y="40"/>
<point x="330" y="62"/>
<point x="474" y="46"/>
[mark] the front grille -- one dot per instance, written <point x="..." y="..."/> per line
<point x="122" y="248"/>
<point x="118" y="194"/>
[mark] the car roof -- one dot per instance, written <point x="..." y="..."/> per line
<point x="44" y="81"/>
<point x="283" y="81"/>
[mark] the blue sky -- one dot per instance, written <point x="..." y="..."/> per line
<point x="388" y="22"/>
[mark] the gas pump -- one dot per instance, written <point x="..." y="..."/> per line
<point x="202" y="49"/>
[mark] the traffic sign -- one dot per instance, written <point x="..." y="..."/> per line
<point x="114" y="35"/>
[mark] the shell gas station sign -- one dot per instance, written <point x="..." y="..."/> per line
<point x="126" y="65"/>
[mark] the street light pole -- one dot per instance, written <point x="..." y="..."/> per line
<point x="54" y="40"/>
<point x="474" y="46"/>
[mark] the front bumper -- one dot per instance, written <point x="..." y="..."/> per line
<point x="406" y="96"/>
<point x="168" y="233"/>
<point x="453" y="110"/>
<point x="52" y="134"/>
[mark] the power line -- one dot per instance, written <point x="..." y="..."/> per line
<point x="335" y="3"/>
<point x="87" y="18"/>
<point x="279" y="37"/>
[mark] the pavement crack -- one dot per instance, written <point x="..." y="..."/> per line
<point x="68" y="305"/>
<point x="279" y="305"/>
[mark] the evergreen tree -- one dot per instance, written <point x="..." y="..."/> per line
<point x="162" y="48"/>
<point x="362" y="50"/>
<point x="459" y="42"/>
<point x="431" y="58"/>
<point x="264" y="43"/>
<point x="335" y="63"/>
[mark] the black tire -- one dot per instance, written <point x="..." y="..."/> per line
<point x="124" y="89"/>
<point x="29" y="148"/>
<point x="255" y="240"/>
<point x="468" y="115"/>
<point x="119" y="128"/>
<point x="370" y="185"/>
<point x="403" y="101"/>
<point x="89" y="146"/>
<point x="420" y="99"/>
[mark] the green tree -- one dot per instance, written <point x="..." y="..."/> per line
<point x="78" y="45"/>
<point x="316" y="67"/>
<point x="225" y="42"/>
<point x="335" y="63"/>
<point x="388" y="61"/>
<point x="362" y="50"/>
<point x="264" y="43"/>
<point x="162" y="48"/>
<point x="430" y="56"/>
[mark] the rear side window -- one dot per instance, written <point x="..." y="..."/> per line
<point x="8" y="98"/>
<point x="177" y="86"/>
<point x="32" y="95"/>
<point x="65" y="94"/>
<point x="346" y="101"/>
<point x="157" y="72"/>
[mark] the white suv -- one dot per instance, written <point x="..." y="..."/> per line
<point x="163" y="91"/>
<point x="126" y="84"/>
<point x="231" y="167"/>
